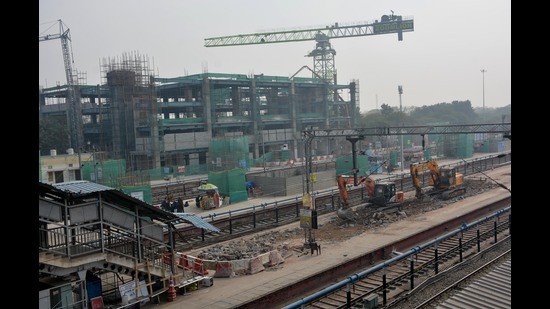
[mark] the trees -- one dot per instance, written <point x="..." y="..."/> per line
<point x="456" y="112"/>
<point x="387" y="116"/>
<point x="53" y="134"/>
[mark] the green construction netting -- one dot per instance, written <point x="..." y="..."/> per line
<point x="231" y="183"/>
<point x="344" y="165"/>
<point x="140" y="192"/>
<point x="107" y="172"/>
<point x="228" y="153"/>
<point x="458" y="145"/>
<point x="465" y="146"/>
<point x="229" y="162"/>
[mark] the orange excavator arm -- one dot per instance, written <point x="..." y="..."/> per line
<point x="343" y="191"/>
<point x="344" y="181"/>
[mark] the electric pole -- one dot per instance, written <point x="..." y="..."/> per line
<point x="400" y="90"/>
<point x="483" y="85"/>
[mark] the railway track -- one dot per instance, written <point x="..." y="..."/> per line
<point x="391" y="282"/>
<point x="483" y="282"/>
<point x="263" y="217"/>
<point x="257" y="219"/>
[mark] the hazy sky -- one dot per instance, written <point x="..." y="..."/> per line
<point x="440" y="61"/>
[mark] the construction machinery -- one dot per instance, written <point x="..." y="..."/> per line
<point x="345" y="181"/>
<point x="383" y="193"/>
<point x="324" y="54"/>
<point x="444" y="182"/>
<point x="378" y="194"/>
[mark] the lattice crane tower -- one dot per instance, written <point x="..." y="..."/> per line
<point x="74" y="113"/>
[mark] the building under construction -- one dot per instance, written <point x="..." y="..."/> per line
<point x="161" y="123"/>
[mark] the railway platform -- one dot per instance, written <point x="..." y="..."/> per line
<point x="239" y="290"/>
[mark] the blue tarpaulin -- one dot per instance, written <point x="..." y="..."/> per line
<point x="196" y="221"/>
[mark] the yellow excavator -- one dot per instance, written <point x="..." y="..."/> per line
<point x="444" y="183"/>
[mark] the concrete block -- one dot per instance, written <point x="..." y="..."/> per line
<point x="256" y="265"/>
<point x="275" y="258"/>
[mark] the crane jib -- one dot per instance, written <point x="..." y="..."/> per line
<point x="389" y="24"/>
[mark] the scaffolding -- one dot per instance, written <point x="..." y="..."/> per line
<point x="134" y="111"/>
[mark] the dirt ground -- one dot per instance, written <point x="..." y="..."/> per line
<point x="290" y="240"/>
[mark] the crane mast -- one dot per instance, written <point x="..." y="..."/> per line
<point x="74" y="112"/>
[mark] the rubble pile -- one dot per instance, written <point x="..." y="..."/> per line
<point x="333" y="229"/>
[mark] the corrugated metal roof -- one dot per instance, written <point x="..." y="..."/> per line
<point x="196" y="221"/>
<point x="493" y="290"/>
<point x="81" y="187"/>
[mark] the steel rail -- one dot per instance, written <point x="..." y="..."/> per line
<point x="464" y="281"/>
<point x="264" y="216"/>
<point x="424" y="260"/>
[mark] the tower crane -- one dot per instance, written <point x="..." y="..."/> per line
<point x="323" y="54"/>
<point x="74" y="112"/>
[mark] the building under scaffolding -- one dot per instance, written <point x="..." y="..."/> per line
<point x="164" y="123"/>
